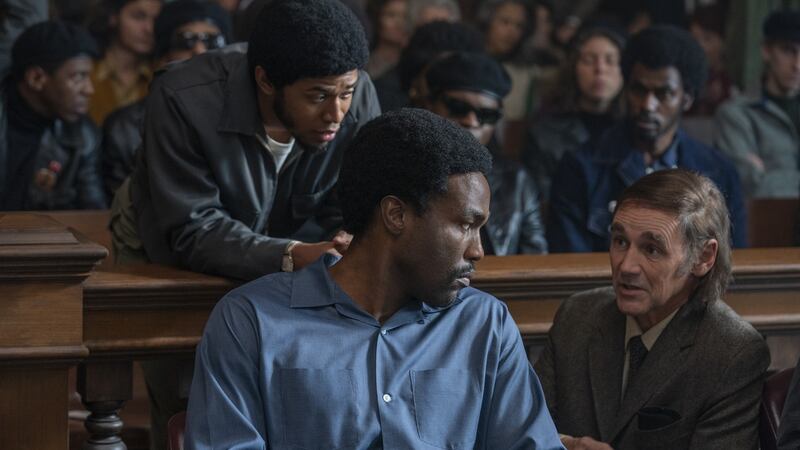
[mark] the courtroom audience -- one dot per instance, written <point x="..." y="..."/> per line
<point x="124" y="29"/>
<point x="468" y="89"/>
<point x="421" y="12"/>
<point x="762" y="135"/>
<point x="183" y="28"/>
<point x="48" y="146"/>
<point x="240" y="157"/>
<point x="664" y="68"/>
<point x="586" y="103"/>
<point x="658" y="360"/>
<point x="506" y="26"/>
<point x="389" y="20"/>
<point x="404" y="84"/>
<point x="387" y="347"/>
<point x="15" y="17"/>
<point x="707" y="25"/>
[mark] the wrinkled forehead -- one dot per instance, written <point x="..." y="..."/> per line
<point x="635" y="221"/>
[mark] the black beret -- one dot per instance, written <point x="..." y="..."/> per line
<point x="783" y="25"/>
<point x="464" y="71"/>
<point x="178" y="13"/>
<point x="50" y="43"/>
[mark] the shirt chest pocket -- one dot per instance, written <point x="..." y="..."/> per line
<point x="320" y="408"/>
<point x="447" y="406"/>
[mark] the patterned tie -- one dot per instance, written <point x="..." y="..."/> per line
<point x="637" y="353"/>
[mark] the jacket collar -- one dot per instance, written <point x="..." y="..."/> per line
<point x="616" y="149"/>
<point x="240" y="112"/>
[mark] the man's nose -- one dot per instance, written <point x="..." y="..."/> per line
<point x="470" y="120"/>
<point x="630" y="263"/>
<point x="474" y="250"/>
<point x="335" y="110"/>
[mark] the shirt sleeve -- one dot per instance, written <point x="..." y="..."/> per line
<point x="518" y="417"/>
<point x="226" y="404"/>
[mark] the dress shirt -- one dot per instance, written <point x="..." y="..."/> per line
<point x="649" y="339"/>
<point x="667" y="160"/>
<point x="290" y="361"/>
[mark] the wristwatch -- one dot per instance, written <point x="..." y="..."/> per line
<point x="287" y="263"/>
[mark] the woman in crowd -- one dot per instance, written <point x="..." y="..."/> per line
<point x="390" y="25"/>
<point x="121" y="76"/>
<point x="586" y="103"/>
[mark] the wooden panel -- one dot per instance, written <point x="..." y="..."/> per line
<point x="40" y="314"/>
<point x="33" y="408"/>
<point x="772" y="222"/>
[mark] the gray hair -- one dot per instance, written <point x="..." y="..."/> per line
<point x="702" y="216"/>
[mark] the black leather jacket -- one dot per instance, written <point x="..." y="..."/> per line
<point x="73" y="146"/>
<point x="205" y="194"/>
<point x="122" y="135"/>
<point x="515" y="223"/>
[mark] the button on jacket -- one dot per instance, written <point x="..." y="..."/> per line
<point x="205" y="192"/>
<point x="291" y="362"/>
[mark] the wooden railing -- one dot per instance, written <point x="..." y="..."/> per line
<point x="117" y="314"/>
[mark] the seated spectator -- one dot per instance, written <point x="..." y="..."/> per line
<point x="421" y="12"/>
<point x="398" y="86"/>
<point x="184" y="28"/>
<point x="761" y="136"/>
<point x="389" y="347"/>
<point x="48" y="147"/>
<point x="468" y="89"/>
<point x="658" y="360"/>
<point x="389" y="22"/>
<point x="125" y="30"/>
<point x="506" y="26"/>
<point x="587" y="102"/>
<point x="664" y="68"/>
<point x="707" y="25"/>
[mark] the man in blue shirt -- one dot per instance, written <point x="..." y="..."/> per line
<point x="389" y="347"/>
<point x="664" y="69"/>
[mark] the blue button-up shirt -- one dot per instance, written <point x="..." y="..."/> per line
<point x="290" y="361"/>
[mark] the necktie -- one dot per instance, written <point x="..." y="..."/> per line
<point x="637" y="352"/>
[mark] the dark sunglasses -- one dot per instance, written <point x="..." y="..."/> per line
<point x="459" y="108"/>
<point x="187" y="40"/>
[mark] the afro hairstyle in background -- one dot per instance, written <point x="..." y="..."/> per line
<point x="431" y="40"/>
<point x="295" y="39"/>
<point x="664" y="46"/>
<point x="409" y="153"/>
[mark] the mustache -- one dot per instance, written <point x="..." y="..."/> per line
<point x="462" y="271"/>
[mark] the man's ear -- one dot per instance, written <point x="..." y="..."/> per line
<point x="264" y="85"/>
<point x="394" y="214"/>
<point x="35" y="78"/>
<point x="688" y="101"/>
<point x="706" y="259"/>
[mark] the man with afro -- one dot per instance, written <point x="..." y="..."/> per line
<point x="241" y="151"/>
<point x="388" y="347"/>
<point x="664" y="68"/>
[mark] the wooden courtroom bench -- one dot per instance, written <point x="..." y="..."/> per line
<point x="772" y="222"/>
<point x="150" y="311"/>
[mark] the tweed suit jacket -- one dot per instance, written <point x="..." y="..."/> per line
<point x="705" y="373"/>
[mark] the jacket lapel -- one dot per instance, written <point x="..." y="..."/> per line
<point x="662" y="364"/>
<point x="605" y="368"/>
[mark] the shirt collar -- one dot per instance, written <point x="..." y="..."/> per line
<point x="650" y="336"/>
<point x="313" y="287"/>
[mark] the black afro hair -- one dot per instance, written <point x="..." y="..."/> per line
<point x="431" y="40"/>
<point x="295" y="39"/>
<point x="409" y="153"/>
<point x="663" y="46"/>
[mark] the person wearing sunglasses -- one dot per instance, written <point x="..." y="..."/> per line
<point x="468" y="88"/>
<point x="183" y="29"/>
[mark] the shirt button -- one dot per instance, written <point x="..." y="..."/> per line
<point x="387" y="398"/>
<point x="383" y="332"/>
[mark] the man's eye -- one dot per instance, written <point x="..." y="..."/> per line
<point x="346" y="95"/>
<point x="652" y="250"/>
<point x="618" y="242"/>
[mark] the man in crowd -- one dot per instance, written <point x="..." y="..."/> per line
<point x="240" y="155"/>
<point x="664" y="68"/>
<point x="468" y="89"/>
<point x="762" y="136"/>
<point x="48" y="147"/>
<point x="241" y="150"/>
<point x="183" y="28"/>
<point x="388" y="347"/>
<point x="658" y="360"/>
